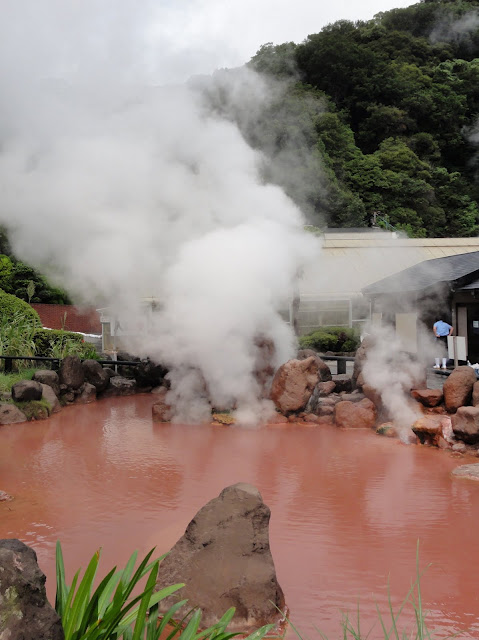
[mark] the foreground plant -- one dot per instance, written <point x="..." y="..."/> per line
<point x="112" y="613"/>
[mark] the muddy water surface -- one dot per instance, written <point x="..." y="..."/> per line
<point x="347" y="507"/>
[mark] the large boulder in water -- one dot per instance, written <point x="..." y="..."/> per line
<point x="458" y="388"/>
<point x="149" y="374"/>
<point x="71" y="372"/>
<point x="355" y="415"/>
<point x="294" y="383"/>
<point x="465" y="424"/>
<point x="120" y="386"/>
<point x="25" y="613"/>
<point x="225" y="561"/>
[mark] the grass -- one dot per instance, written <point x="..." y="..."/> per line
<point x="35" y="409"/>
<point x="7" y="380"/>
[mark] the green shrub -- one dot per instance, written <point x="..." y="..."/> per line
<point x="336" y="339"/>
<point x="112" y="613"/>
<point x="7" y="380"/>
<point x="35" y="409"/>
<point x="11" y="306"/>
<point x="48" y="341"/>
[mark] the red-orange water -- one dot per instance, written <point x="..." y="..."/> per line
<point x="347" y="506"/>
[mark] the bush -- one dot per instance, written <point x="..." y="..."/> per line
<point x="11" y="306"/>
<point x="47" y="340"/>
<point x="336" y="339"/>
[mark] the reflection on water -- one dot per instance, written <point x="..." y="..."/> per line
<point x="347" y="507"/>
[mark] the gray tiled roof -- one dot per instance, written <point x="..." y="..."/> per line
<point x="461" y="270"/>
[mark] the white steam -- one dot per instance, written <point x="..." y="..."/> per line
<point x="119" y="189"/>
<point x="450" y="29"/>
<point x="392" y="373"/>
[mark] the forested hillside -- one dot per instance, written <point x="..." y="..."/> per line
<point x="383" y="115"/>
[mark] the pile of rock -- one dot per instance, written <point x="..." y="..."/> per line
<point x="77" y="382"/>
<point x="304" y="391"/>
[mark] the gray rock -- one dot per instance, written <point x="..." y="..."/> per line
<point x="49" y="377"/>
<point x="49" y="395"/>
<point x="26" y="390"/>
<point x="71" y="372"/>
<point x="468" y="471"/>
<point x="87" y="394"/>
<point x="120" y="386"/>
<point x="25" y="613"/>
<point x="343" y="383"/>
<point x="352" y="397"/>
<point x="5" y="497"/>
<point x="96" y="375"/>
<point x="10" y="414"/>
<point x="224" y="559"/>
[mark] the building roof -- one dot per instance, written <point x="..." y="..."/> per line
<point x="69" y="317"/>
<point x="457" y="270"/>
<point x="351" y="260"/>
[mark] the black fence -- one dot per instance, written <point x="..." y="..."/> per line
<point x="55" y="362"/>
<point x="340" y="362"/>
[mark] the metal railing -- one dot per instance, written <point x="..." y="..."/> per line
<point x="8" y="366"/>
<point x="340" y="362"/>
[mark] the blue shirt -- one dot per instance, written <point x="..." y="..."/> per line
<point x="442" y="328"/>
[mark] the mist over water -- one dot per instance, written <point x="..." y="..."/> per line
<point x="119" y="187"/>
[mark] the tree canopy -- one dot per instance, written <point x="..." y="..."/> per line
<point x="383" y="115"/>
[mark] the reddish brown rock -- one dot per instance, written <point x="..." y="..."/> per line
<point x="428" y="397"/>
<point x="230" y="533"/>
<point x="430" y="425"/>
<point x="372" y="394"/>
<point x="263" y="367"/>
<point x="310" y="417"/>
<point x="355" y="415"/>
<point x="326" y="421"/>
<point x="278" y="418"/>
<point x="293" y="384"/>
<point x="5" y="497"/>
<point x="325" y="388"/>
<point x="475" y="394"/>
<point x="465" y="424"/>
<point x="325" y="409"/>
<point x="458" y="388"/>
<point x="161" y="410"/>
<point x="324" y="370"/>
<point x="388" y="429"/>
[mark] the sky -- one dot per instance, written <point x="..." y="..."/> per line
<point x="203" y="35"/>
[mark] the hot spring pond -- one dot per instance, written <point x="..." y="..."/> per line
<point x="347" y="506"/>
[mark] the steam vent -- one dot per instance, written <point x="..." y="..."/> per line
<point x="225" y="561"/>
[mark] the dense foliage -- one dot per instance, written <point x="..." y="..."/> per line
<point x="336" y="339"/>
<point x="13" y="310"/>
<point x="383" y="115"/>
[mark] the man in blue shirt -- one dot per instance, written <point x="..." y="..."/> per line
<point x="441" y="331"/>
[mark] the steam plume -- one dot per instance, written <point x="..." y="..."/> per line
<point x="119" y="188"/>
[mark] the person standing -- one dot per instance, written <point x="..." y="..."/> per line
<point x="441" y="330"/>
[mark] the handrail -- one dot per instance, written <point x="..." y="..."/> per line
<point x="9" y="361"/>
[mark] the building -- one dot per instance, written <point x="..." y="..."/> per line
<point x="331" y="289"/>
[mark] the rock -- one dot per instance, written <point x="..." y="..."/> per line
<point x="359" y="359"/>
<point x="343" y="382"/>
<point x="388" y="429"/>
<point x="95" y="375"/>
<point x="50" y="396"/>
<point x="465" y="424"/>
<point x="457" y="388"/>
<point x="278" y="418"/>
<point x="324" y="370"/>
<point x="120" y="386"/>
<point x="149" y="374"/>
<point x="352" y="397"/>
<point x="428" y="397"/>
<point x="10" y="414"/>
<point x="49" y="377"/>
<point x="231" y="534"/>
<point x="355" y="415"/>
<point x="26" y="390"/>
<point x="325" y="388"/>
<point x="87" y="394"/>
<point x="429" y="425"/>
<point x="293" y="384"/>
<point x="71" y="372"/>
<point x="263" y="371"/>
<point x="5" y="497"/>
<point x="68" y="397"/>
<point x="25" y="613"/>
<point x="475" y="394"/>
<point x="468" y="471"/>
<point x="310" y="417"/>
<point x="111" y="373"/>
<point x="460" y="447"/>
<point x="373" y="395"/>
<point x="161" y="410"/>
